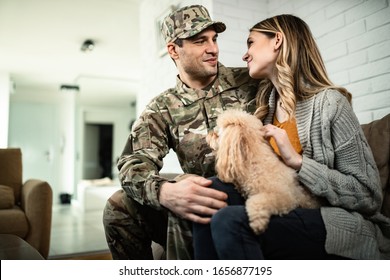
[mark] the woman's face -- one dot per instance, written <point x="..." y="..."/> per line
<point x="261" y="55"/>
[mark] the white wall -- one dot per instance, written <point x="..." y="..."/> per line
<point x="238" y="16"/>
<point x="4" y="108"/>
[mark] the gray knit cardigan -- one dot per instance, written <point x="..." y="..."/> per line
<point x="338" y="165"/>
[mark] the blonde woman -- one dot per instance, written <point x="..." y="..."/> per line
<point x="311" y="125"/>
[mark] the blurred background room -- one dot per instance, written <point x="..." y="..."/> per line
<point x="74" y="75"/>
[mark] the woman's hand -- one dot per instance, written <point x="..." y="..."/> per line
<point x="287" y="152"/>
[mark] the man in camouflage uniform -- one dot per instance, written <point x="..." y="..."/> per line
<point x="151" y="207"/>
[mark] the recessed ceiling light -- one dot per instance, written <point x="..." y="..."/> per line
<point x="88" y="46"/>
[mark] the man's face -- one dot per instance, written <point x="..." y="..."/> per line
<point x="198" y="57"/>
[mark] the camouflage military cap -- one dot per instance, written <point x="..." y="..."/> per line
<point x="187" y="22"/>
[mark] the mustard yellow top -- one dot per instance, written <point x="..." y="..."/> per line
<point x="290" y="127"/>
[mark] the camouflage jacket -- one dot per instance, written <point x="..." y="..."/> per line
<point x="180" y="119"/>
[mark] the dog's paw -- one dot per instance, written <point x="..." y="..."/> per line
<point x="258" y="226"/>
<point x="258" y="223"/>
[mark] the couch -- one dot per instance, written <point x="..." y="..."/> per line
<point x="25" y="207"/>
<point x="378" y="136"/>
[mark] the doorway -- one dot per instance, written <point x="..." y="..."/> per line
<point x="98" y="149"/>
<point x="33" y="128"/>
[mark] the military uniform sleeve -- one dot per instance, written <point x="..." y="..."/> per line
<point x="142" y="157"/>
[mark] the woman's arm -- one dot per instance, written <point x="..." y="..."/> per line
<point x="341" y="166"/>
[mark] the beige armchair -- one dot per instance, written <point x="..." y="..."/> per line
<point x="25" y="207"/>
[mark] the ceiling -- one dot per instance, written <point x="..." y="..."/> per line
<point x="40" y="47"/>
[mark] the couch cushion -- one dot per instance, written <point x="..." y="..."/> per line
<point x="11" y="170"/>
<point x="7" y="199"/>
<point x="14" y="221"/>
<point x="378" y="137"/>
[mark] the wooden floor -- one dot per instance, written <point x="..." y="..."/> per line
<point x="102" y="255"/>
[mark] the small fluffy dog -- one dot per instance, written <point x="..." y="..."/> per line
<point x="246" y="159"/>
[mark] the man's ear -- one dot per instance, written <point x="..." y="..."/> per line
<point x="278" y="40"/>
<point x="171" y="48"/>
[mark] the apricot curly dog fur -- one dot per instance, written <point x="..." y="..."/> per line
<point x="245" y="158"/>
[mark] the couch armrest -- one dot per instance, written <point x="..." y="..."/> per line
<point x="378" y="137"/>
<point x="37" y="201"/>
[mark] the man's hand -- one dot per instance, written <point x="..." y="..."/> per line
<point x="191" y="199"/>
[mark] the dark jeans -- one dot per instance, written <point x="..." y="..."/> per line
<point x="202" y="239"/>
<point x="298" y="235"/>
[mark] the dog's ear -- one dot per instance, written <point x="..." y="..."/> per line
<point x="233" y="153"/>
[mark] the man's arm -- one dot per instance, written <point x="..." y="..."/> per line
<point x="142" y="158"/>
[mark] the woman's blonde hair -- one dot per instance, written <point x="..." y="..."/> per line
<point x="301" y="71"/>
